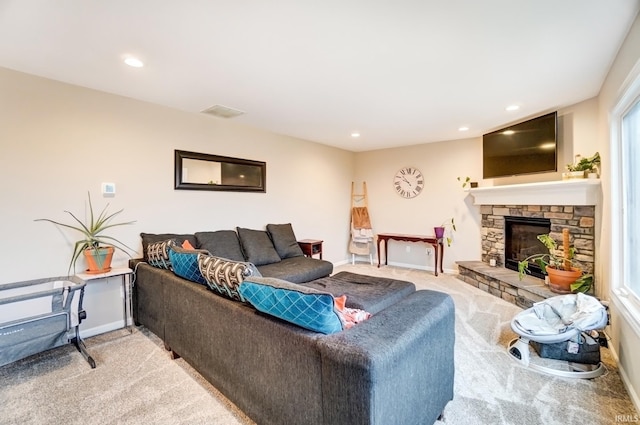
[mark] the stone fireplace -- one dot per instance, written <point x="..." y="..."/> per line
<point x="580" y="220"/>
<point x="551" y="207"/>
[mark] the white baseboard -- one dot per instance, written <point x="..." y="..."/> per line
<point x="107" y="327"/>
<point x="627" y="384"/>
<point x="365" y="260"/>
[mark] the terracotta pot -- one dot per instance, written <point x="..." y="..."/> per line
<point x="560" y="280"/>
<point x="98" y="261"/>
<point x="439" y="231"/>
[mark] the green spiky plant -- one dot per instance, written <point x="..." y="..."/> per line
<point x="92" y="232"/>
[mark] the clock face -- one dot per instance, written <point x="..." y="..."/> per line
<point x="408" y="182"/>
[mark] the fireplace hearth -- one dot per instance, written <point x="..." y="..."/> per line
<point x="521" y="241"/>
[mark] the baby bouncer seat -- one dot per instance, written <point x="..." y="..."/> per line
<point x="567" y="321"/>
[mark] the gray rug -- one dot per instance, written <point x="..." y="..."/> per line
<point x="136" y="382"/>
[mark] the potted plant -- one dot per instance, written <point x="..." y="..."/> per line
<point x="97" y="247"/>
<point x="467" y="181"/>
<point x="442" y="229"/>
<point x="564" y="277"/>
<point x="584" y="167"/>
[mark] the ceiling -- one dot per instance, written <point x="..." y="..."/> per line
<point x="398" y="72"/>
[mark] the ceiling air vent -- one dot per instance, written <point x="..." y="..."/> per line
<point x="222" y="111"/>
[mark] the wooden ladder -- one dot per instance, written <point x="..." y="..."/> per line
<point x="359" y="200"/>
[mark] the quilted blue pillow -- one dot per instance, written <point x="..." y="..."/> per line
<point x="305" y="307"/>
<point x="184" y="263"/>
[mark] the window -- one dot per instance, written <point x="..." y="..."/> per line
<point x="630" y="150"/>
<point x="625" y="197"/>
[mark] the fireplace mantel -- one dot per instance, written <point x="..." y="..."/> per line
<point x="564" y="192"/>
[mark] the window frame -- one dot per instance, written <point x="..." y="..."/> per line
<point x="626" y="299"/>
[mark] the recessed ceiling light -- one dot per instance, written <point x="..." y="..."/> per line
<point x="512" y="108"/>
<point x="355" y="135"/>
<point x="463" y="129"/>
<point x="222" y="111"/>
<point x="134" y="62"/>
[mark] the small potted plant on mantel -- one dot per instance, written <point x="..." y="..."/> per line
<point x="564" y="277"/>
<point x="583" y="167"/>
<point x="467" y="181"/>
<point x="98" y="257"/>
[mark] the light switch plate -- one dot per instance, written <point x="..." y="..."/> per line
<point x="108" y="189"/>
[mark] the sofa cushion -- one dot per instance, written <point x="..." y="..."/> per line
<point x="297" y="269"/>
<point x="257" y="246"/>
<point x="148" y="238"/>
<point x="157" y="253"/>
<point x="370" y="293"/>
<point x="305" y="307"/>
<point x="284" y="240"/>
<point x="221" y="243"/>
<point x="225" y="276"/>
<point x="184" y="263"/>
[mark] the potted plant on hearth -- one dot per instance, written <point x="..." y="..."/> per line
<point x="564" y="277"/>
<point x="97" y="247"/>
<point x="447" y="227"/>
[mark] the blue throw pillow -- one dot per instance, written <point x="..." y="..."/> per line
<point x="184" y="263"/>
<point x="305" y="307"/>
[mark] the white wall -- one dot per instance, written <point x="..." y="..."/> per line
<point x="624" y="332"/>
<point x="441" y="198"/>
<point x="59" y="141"/>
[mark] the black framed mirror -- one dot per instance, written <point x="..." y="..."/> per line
<point x="201" y="171"/>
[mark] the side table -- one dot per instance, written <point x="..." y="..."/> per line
<point x="125" y="274"/>
<point x="437" y="243"/>
<point x="311" y="247"/>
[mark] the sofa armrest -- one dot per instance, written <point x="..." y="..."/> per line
<point x="397" y="367"/>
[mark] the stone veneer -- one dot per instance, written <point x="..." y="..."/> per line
<point x="579" y="219"/>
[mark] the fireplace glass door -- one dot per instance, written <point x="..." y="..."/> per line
<point x="521" y="241"/>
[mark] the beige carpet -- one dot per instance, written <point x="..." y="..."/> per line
<point x="137" y="383"/>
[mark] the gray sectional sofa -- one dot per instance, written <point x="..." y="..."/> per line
<point x="274" y="251"/>
<point x="397" y="367"/>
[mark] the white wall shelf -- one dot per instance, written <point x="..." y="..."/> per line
<point x="563" y="192"/>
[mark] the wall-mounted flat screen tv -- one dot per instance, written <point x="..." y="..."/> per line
<point x="524" y="148"/>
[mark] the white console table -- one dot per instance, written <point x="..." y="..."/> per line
<point x="125" y="274"/>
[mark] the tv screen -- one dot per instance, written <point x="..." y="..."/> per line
<point x="525" y="148"/>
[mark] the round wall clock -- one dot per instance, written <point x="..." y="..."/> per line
<point x="408" y="182"/>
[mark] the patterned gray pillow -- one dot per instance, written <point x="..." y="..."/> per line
<point x="225" y="276"/>
<point x="158" y="253"/>
<point x="149" y="238"/>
